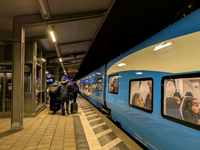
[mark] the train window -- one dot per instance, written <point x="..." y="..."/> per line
<point x="140" y="94"/>
<point x="113" y="84"/>
<point x="181" y="98"/>
<point x="93" y="88"/>
<point x="89" y="87"/>
<point x="99" y="84"/>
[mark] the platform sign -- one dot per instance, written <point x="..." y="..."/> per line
<point x="70" y="69"/>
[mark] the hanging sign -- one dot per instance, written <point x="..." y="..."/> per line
<point x="70" y="69"/>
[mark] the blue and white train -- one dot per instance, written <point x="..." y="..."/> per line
<point x="147" y="88"/>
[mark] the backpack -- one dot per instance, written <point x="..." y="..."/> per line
<point x="75" y="89"/>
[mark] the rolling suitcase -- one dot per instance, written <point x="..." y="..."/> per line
<point x="74" y="107"/>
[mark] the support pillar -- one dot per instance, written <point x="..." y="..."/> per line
<point x="17" y="109"/>
<point x="56" y="72"/>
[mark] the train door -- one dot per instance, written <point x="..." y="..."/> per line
<point x="5" y="94"/>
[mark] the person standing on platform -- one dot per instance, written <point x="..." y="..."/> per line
<point x="64" y="88"/>
<point x="75" y="91"/>
<point x="54" y="104"/>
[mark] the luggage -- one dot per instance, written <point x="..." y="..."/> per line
<point x="74" y="107"/>
<point x="55" y="106"/>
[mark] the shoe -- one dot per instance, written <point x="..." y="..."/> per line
<point x="63" y="114"/>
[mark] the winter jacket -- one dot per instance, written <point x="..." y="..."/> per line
<point x="64" y="89"/>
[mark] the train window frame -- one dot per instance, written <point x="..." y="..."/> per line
<point x="133" y="106"/>
<point x="177" y="76"/>
<point x="118" y="84"/>
<point x="99" y="83"/>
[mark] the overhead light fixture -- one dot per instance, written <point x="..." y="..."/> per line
<point x="60" y="59"/>
<point x="160" y="46"/>
<point x="52" y="36"/>
<point x="121" y="64"/>
<point x="43" y="59"/>
<point x="139" y="73"/>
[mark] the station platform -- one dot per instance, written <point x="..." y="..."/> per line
<point x="88" y="129"/>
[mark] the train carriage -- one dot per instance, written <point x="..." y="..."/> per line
<point x="153" y="91"/>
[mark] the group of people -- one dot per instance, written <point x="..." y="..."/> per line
<point x="137" y="101"/>
<point x="190" y="111"/>
<point x="65" y="91"/>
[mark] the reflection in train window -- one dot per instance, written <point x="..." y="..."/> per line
<point x="113" y="84"/>
<point x="89" y="87"/>
<point x="99" y="84"/>
<point x="181" y="98"/>
<point x="140" y="95"/>
<point x="93" y="88"/>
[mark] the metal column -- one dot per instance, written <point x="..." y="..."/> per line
<point x="17" y="105"/>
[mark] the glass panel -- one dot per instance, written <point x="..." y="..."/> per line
<point x="93" y="88"/>
<point x="39" y="59"/>
<point x="28" y="78"/>
<point x="99" y="84"/>
<point x="182" y="98"/>
<point x="38" y="97"/>
<point x="43" y="59"/>
<point x="43" y="97"/>
<point x="141" y="93"/>
<point x="113" y="84"/>
<point x="8" y="91"/>
<point x="89" y="87"/>
<point x="1" y="91"/>
<point x="38" y="79"/>
<point x="44" y="82"/>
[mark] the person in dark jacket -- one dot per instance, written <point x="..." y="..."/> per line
<point x="53" y="97"/>
<point x="64" y="88"/>
<point x="75" y="92"/>
<point x="191" y="111"/>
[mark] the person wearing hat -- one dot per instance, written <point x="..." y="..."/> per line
<point x="64" y="88"/>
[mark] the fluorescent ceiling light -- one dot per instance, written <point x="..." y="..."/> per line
<point x="121" y="64"/>
<point x="60" y="59"/>
<point x="42" y="7"/>
<point x="162" y="46"/>
<point x="43" y="59"/>
<point x="139" y="73"/>
<point x="52" y="36"/>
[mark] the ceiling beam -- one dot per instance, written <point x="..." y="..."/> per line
<point x="32" y="38"/>
<point x="75" y="42"/>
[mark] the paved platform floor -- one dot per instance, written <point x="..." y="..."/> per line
<point x="86" y="130"/>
